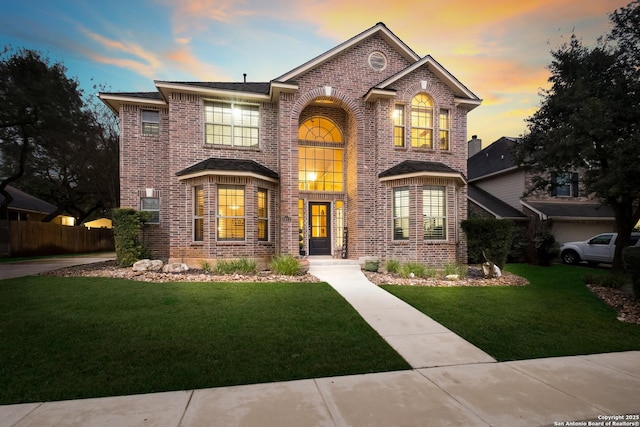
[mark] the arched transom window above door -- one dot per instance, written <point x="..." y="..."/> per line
<point x="319" y="129"/>
<point x="320" y="168"/>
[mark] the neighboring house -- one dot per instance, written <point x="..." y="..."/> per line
<point x="497" y="186"/>
<point x="26" y="207"/>
<point x="359" y="152"/>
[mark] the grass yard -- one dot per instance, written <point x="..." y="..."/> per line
<point x="555" y="315"/>
<point x="68" y="338"/>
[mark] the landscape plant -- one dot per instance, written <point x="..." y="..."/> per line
<point x="286" y="265"/>
<point x="127" y="225"/>
<point x="631" y="257"/>
<point x="488" y="239"/>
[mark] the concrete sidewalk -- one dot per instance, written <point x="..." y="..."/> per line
<point x="452" y="383"/>
<point x="12" y="269"/>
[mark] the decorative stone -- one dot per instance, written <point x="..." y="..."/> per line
<point x="148" y="265"/>
<point x="452" y="277"/>
<point x="175" y="267"/>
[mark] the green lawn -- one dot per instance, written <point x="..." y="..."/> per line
<point x="556" y="315"/>
<point x="67" y="338"/>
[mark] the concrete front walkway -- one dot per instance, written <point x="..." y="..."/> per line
<point x="452" y="384"/>
<point x="421" y="341"/>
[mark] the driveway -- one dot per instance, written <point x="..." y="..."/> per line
<point x="9" y="270"/>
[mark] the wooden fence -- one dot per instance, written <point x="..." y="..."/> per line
<point x="30" y="238"/>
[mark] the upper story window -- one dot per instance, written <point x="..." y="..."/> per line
<point x="320" y="168"/>
<point x="444" y="123"/>
<point x="565" y="184"/>
<point x="378" y="61"/>
<point x="398" y="126"/>
<point x="421" y="121"/>
<point x="150" y="120"/>
<point x="232" y="124"/>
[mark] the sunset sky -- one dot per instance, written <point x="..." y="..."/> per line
<point x="498" y="48"/>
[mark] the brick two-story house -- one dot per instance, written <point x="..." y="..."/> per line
<point x="359" y="152"/>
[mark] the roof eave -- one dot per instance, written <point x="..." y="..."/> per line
<point x="452" y="175"/>
<point x="165" y="88"/>
<point x="380" y="28"/>
<point x="226" y="173"/>
<point x="495" y="214"/>
<point x="374" y="94"/>
<point x="115" y="101"/>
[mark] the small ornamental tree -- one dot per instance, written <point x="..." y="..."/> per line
<point x="127" y="225"/>
<point x="631" y="258"/>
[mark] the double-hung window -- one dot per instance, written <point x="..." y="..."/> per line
<point x="434" y="212"/>
<point x="398" y="126"/>
<point x="151" y="205"/>
<point x="198" y="213"/>
<point x="231" y="213"/>
<point x="401" y="213"/>
<point x="150" y="120"/>
<point x="263" y="215"/>
<point x="444" y="129"/>
<point x="421" y="122"/>
<point x="565" y="184"/>
<point x="232" y="124"/>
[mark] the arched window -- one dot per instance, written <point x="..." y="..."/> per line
<point x="421" y="121"/>
<point x="320" y="168"/>
<point x="319" y="129"/>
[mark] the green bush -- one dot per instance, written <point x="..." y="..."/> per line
<point x="392" y="266"/>
<point x="493" y="236"/>
<point x="371" y="265"/>
<point x="416" y="268"/>
<point x="547" y="248"/>
<point x="631" y="260"/>
<point x="236" y="266"/>
<point x="615" y="281"/>
<point x="286" y="265"/>
<point x="127" y="224"/>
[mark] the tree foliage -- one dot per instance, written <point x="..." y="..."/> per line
<point x="589" y="121"/>
<point x="54" y="144"/>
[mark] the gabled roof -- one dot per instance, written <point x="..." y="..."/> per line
<point x="378" y="29"/>
<point x="565" y="210"/>
<point x="493" y="159"/>
<point x="414" y="168"/>
<point x="493" y="205"/>
<point x="463" y="96"/>
<point x="25" y="202"/>
<point x="235" y="167"/>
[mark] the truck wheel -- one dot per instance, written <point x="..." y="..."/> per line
<point x="570" y="257"/>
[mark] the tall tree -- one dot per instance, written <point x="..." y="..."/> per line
<point x="589" y="121"/>
<point x="55" y="144"/>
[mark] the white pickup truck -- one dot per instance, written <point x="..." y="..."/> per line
<point x="597" y="249"/>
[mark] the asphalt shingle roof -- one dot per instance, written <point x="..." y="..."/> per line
<point x="229" y="165"/>
<point x="573" y="210"/>
<point x="415" y="166"/>
<point x="26" y="202"/>
<point x="252" y="87"/>
<point x="493" y="204"/>
<point x="494" y="158"/>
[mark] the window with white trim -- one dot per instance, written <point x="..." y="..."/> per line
<point x="232" y="124"/>
<point x="151" y="205"/>
<point x="434" y="212"/>
<point x="421" y="121"/>
<point x="263" y="215"/>
<point x="401" y="213"/>
<point x="150" y="121"/>
<point x="231" y="213"/>
<point x="398" y="126"/>
<point x="198" y="213"/>
<point x="444" y="129"/>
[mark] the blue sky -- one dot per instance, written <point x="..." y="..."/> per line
<point x="498" y="48"/>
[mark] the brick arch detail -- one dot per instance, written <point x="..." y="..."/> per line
<point x="436" y="92"/>
<point x="339" y="97"/>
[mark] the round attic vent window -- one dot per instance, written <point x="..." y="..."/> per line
<point x="378" y="61"/>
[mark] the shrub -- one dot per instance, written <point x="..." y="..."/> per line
<point x="546" y="247"/>
<point x="416" y="268"/>
<point x="615" y="281"/>
<point x="127" y="224"/>
<point x="238" y="266"/>
<point x="631" y="260"/>
<point x="370" y="265"/>
<point x="493" y="236"/>
<point x="393" y="266"/>
<point x="286" y="265"/>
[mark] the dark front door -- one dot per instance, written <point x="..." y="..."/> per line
<point x="320" y="221"/>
